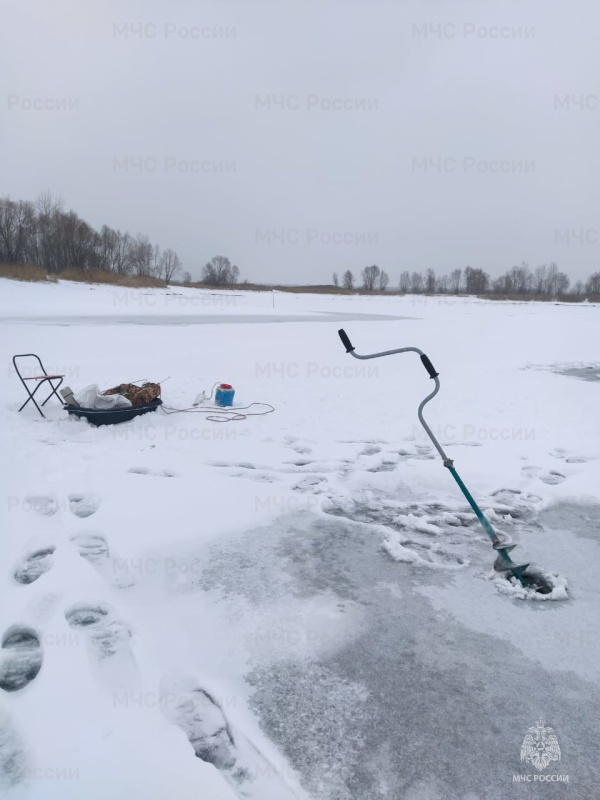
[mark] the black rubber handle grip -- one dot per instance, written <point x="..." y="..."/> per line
<point x="345" y="340"/>
<point x="429" y="366"/>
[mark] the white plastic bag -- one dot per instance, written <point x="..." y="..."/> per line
<point x="92" y="397"/>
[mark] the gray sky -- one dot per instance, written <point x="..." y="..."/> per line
<point x="303" y="138"/>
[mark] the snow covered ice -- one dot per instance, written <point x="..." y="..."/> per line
<point x="298" y="605"/>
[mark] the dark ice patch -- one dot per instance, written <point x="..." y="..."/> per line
<point x="589" y="373"/>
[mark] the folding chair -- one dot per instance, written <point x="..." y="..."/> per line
<point x="40" y="379"/>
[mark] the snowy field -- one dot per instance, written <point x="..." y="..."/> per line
<point x="302" y="599"/>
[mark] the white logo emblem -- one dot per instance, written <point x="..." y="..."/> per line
<point x="540" y="746"/>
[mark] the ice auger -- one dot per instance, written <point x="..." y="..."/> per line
<point x="503" y="563"/>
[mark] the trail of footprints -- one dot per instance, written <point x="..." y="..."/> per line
<point x="20" y="647"/>
<point x="195" y="710"/>
<point x="374" y="456"/>
<point x="414" y="531"/>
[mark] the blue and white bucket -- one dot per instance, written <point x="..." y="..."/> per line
<point x="224" y="394"/>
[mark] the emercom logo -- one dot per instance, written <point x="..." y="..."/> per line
<point x="540" y="748"/>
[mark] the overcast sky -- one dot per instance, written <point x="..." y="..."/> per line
<point x="302" y="138"/>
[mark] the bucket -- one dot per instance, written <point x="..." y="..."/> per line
<point x="224" y="394"/>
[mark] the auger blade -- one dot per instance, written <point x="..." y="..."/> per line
<point x="506" y="547"/>
<point x="507" y="565"/>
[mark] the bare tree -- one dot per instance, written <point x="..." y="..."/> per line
<point x="186" y="277"/>
<point x="562" y="283"/>
<point x="47" y="203"/>
<point x="404" y="284"/>
<point x="454" y="282"/>
<point x="557" y="282"/>
<point x="123" y="254"/>
<point x="416" y="283"/>
<point x="592" y="285"/>
<point x="348" y="280"/>
<point x="476" y="281"/>
<point x="370" y="276"/>
<point x="142" y="254"/>
<point x="335" y="279"/>
<point x="521" y="278"/>
<point x="384" y="279"/>
<point x="578" y="289"/>
<point x="170" y="265"/>
<point x="155" y="267"/>
<point x="16" y="230"/>
<point x="430" y="281"/>
<point x="220" y="272"/>
<point x="539" y="279"/>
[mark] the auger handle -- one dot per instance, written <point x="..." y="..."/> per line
<point x="345" y="340"/>
<point x="429" y="366"/>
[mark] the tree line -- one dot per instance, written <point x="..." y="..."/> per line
<point x="546" y="280"/>
<point x="42" y="233"/>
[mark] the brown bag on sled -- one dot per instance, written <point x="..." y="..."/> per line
<point x="137" y="395"/>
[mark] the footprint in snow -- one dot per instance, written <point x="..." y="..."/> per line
<point x="311" y="483"/>
<point x="33" y="566"/>
<point x="384" y="466"/>
<point x="424" y="450"/>
<point x="159" y="473"/>
<point x="13" y="754"/>
<point x="551" y="477"/>
<point x="200" y="716"/>
<point x="94" y="548"/>
<point x="300" y="462"/>
<point x="298" y="447"/>
<point x="418" y="553"/>
<point x="565" y="455"/>
<point x="83" y="505"/>
<point x="42" y="504"/>
<point x="421" y="524"/>
<point x="108" y="640"/>
<point x="20" y="658"/>
<point x="202" y="720"/>
<point x="370" y="450"/>
<point x="511" y="498"/>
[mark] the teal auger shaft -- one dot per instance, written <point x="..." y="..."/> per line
<point x="478" y="512"/>
<point x="504" y="562"/>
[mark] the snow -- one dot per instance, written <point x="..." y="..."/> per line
<point x="303" y="598"/>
